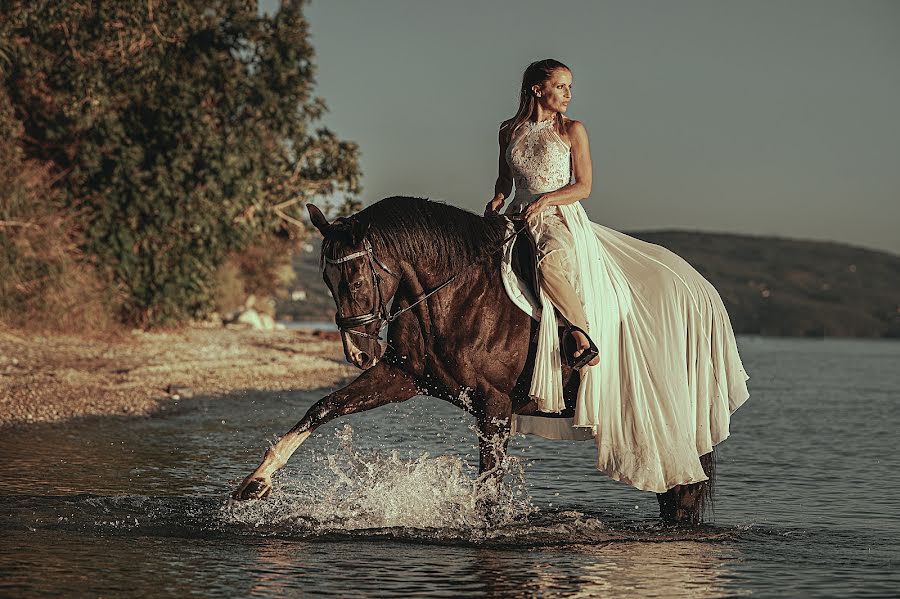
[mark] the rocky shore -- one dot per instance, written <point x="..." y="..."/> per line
<point x="55" y="377"/>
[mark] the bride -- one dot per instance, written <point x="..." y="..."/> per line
<point x="660" y="370"/>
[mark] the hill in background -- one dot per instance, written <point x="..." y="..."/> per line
<point x="785" y="287"/>
<point x="771" y="286"/>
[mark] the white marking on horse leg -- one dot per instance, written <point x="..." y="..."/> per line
<point x="278" y="455"/>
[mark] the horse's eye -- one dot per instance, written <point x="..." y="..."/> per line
<point x="356" y="285"/>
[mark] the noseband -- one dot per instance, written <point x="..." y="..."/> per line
<point x="379" y="312"/>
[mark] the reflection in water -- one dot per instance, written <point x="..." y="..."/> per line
<point x="668" y="569"/>
<point x="363" y="569"/>
<point x="622" y="569"/>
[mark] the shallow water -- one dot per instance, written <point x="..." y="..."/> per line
<point x="384" y="503"/>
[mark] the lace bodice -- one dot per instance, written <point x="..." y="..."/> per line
<point x="539" y="161"/>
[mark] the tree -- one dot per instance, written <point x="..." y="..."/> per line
<point x="179" y="131"/>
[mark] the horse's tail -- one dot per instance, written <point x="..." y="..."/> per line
<point x="707" y="496"/>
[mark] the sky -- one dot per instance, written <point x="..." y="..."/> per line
<point x="757" y="117"/>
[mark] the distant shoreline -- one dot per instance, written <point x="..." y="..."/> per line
<point x="53" y="378"/>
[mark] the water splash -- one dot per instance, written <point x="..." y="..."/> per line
<point x="353" y="490"/>
<point x="376" y="493"/>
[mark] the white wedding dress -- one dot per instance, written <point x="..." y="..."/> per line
<point x="669" y="375"/>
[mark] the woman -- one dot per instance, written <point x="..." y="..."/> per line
<point x="664" y="372"/>
<point x="543" y="181"/>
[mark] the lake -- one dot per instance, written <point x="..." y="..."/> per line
<point x="383" y="503"/>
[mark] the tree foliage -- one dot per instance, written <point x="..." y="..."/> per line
<point x="180" y="132"/>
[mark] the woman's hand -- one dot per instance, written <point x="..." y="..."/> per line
<point x="493" y="207"/>
<point x="536" y="207"/>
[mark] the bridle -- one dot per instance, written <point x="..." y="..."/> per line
<point x="379" y="312"/>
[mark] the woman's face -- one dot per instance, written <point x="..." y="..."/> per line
<point x="556" y="92"/>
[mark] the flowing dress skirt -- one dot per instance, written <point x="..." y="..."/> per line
<point x="669" y="376"/>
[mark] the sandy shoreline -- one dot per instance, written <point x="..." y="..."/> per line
<point x="52" y="378"/>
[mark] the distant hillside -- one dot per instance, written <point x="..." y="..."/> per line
<point x="774" y="286"/>
<point x="771" y="286"/>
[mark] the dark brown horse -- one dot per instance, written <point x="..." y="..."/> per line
<point x="454" y="334"/>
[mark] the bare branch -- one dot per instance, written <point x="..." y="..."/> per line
<point x="17" y="223"/>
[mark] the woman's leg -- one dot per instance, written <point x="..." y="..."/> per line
<point x="554" y="278"/>
<point x="555" y="268"/>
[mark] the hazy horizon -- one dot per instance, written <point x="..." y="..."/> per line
<point x="753" y="118"/>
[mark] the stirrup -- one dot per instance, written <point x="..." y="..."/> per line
<point x="570" y="347"/>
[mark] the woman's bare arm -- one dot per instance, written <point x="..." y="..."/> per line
<point x="503" y="186"/>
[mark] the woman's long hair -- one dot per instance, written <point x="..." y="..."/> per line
<point x="535" y="74"/>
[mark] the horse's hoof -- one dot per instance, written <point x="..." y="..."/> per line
<point x="256" y="488"/>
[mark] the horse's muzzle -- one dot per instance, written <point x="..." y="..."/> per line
<point x="362" y="357"/>
<point x="365" y="361"/>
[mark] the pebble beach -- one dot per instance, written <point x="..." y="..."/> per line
<point x="51" y="378"/>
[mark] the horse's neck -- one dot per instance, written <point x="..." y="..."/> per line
<point x="476" y="287"/>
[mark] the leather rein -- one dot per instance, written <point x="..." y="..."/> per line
<point x="380" y="312"/>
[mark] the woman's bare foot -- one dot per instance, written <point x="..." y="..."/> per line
<point x="582" y="343"/>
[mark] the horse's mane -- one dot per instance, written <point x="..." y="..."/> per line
<point x="426" y="232"/>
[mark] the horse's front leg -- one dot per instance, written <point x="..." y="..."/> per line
<point x="382" y="384"/>
<point x="494" y="419"/>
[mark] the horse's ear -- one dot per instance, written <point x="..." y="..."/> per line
<point x="359" y="230"/>
<point x="318" y="219"/>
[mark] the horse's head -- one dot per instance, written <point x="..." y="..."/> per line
<point x="360" y="283"/>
